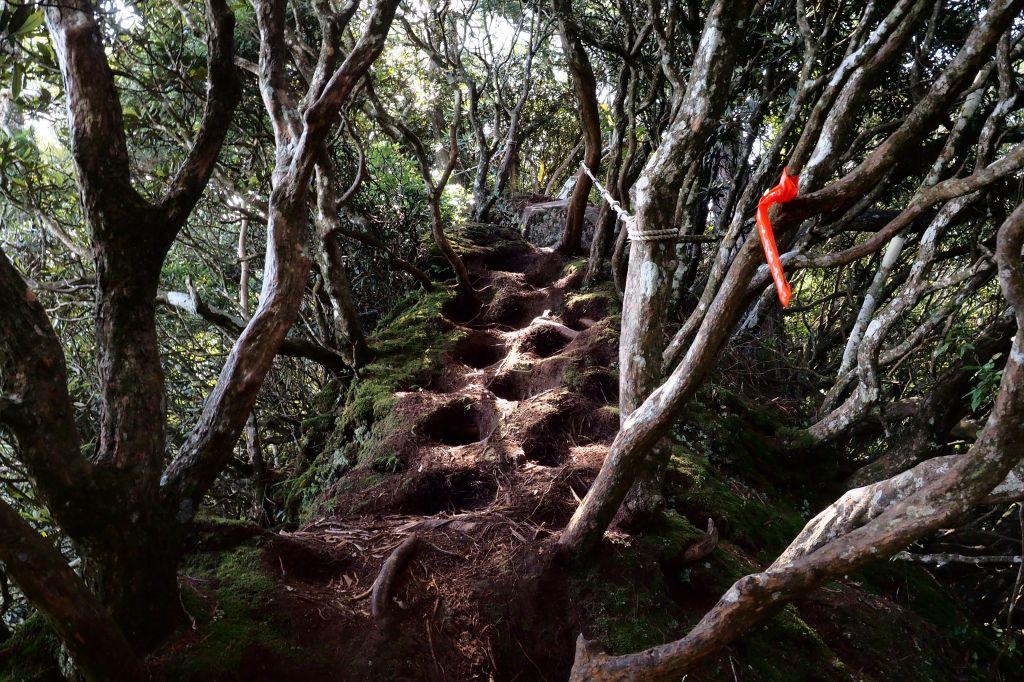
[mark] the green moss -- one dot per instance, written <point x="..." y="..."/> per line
<point x="602" y="292"/>
<point x="796" y="437"/>
<point x="574" y="267"/>
<point x="318" y="422"/>
<point x="31" y="654"/>
<point x="744" y="515"/>
<point x="572" y="377"/>
<point x="227" y="604"/>
<point x="915" y="588"/>
<point x="787" y="649"/>
<point x="204" y="516"/>
<point x="330" y="395"/>
<point x="669" y="535"/>
<point x="627" y="606"/>
<point x="408" y="346"/>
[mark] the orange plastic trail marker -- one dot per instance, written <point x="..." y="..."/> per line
<point x="779" y="194"/>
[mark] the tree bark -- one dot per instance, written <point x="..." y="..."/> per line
<point x="94" y="640"/>
<point x="641" y="429"/>
<point x="649" y="276"/>
<point x="299" y="139"/>
<point x="126" y="520"/>
<point x="130" y="239"/>
<point x="347" y="328"/>
<point x="865" y="525"/>
<point x="585" y="88"/>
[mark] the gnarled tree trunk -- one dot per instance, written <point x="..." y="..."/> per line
<point x="585" y="87"/>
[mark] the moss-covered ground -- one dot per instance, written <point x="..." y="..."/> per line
<point x="408" y="347"/>
<point x="225" y="595"/>
<point x="730" y="460"/>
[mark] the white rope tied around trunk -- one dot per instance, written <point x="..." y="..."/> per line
<point x="629" y="221"/>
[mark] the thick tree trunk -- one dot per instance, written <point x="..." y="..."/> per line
<point x="128" y="552"/>
<point x="669" y="172"/>
<point x="585" y="87"/>
<point x="299" y="136"/>
<point x="136" y="578"/>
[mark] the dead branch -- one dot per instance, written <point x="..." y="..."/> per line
<point x="943" y="559"/>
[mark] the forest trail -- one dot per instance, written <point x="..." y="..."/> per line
<point x="494" y="452"/>
<point x="481" y="459"/>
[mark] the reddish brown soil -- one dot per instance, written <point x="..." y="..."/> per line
<point x="493" y="453"/>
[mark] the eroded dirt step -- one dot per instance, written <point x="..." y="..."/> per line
<point x="479" y="349"/>
<point x="488" y="458"/>
<point x="548" y="428"/>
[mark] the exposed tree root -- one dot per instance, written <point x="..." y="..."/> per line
<point x="703" y="548"/>
<point x="380" y="592"/>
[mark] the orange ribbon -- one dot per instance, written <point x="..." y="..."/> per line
<point x="780" y="194"/>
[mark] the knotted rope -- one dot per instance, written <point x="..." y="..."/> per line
<point x="635" y="235"/>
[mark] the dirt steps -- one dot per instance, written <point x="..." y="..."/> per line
<point x="490" y="456"/>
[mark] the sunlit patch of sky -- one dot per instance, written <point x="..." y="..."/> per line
<point x="125" y="15"/>
<point x="43" y="129"/>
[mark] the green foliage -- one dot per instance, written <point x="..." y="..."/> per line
<point x="919" y="591"/>
<point x="986" y="382"/>
<point x="386" y="463"/>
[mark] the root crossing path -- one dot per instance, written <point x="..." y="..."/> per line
<point x="492" y="454"/>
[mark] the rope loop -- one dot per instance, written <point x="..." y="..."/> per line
<point x="629" y="221"/>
